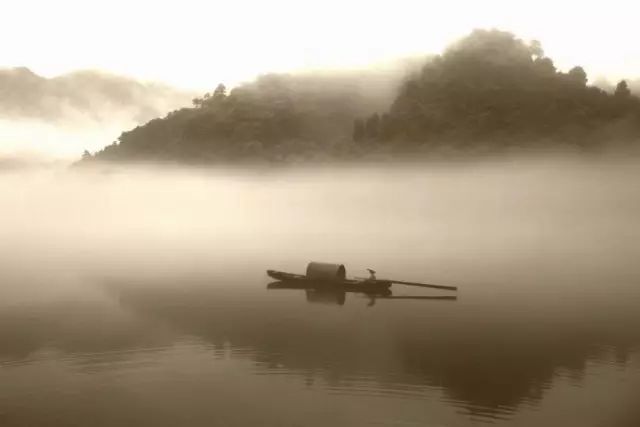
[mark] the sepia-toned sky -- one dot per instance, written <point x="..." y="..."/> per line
<point x="194" y="44"/>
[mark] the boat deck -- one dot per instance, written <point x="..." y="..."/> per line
<point x="351" y="285"/>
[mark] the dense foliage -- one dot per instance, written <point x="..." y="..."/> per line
<point x="276" y="117"/>
<point x="488" y="90"/>
<point x="492" y="86"/>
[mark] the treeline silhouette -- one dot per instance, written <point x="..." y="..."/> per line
<point x="488" y="91"/>
<point x="276" y="117"/>
<point x="492" y="87"/>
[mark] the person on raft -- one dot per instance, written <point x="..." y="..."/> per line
<point x="372" y="274"/>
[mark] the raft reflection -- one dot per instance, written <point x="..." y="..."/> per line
<point x="337" y="296"/>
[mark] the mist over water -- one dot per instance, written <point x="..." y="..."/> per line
<point x="137" y="295"/>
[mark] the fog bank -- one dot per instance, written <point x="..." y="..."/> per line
<point x="64" y="115"/>
<point x="158" y="220"/>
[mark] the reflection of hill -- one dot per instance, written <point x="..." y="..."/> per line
<point x="71" y="328"/>
<point x="485" y="361"/>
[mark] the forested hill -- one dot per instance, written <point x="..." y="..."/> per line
<point x="275" y="117"/>
<point x="493" y="87"/>
<point x="489" y="90"/>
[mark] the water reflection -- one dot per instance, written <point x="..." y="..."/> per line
<point x="338" y="296"/>
<point x="325" y="297"/>
<point x="35" y="331"/>
<point x="489" y="360"/>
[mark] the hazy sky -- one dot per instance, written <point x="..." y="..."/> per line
<point x="195" y="44"/>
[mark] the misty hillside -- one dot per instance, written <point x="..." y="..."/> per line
<point x="488" y="91"/>
<point x="83" y="95"/>
<point x="275" y="117"/>
<point x="493" y="88"/>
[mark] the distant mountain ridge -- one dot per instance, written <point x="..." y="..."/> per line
<point x="86" y="95"/>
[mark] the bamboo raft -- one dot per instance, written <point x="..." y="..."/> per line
<point x="333" y="276"/>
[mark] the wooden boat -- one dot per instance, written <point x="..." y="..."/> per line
<point x="327" y="276"/>
<point x="290" y="280"/>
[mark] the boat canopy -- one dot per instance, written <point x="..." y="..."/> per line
<point x="326" y="272"/>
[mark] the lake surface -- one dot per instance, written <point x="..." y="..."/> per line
<point x="139" y="297"/>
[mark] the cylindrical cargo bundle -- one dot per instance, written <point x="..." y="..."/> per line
<point x="326" y="272"/>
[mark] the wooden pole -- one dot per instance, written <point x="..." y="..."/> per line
<point x="424" y="285"/>
<point x="438" y="298"/>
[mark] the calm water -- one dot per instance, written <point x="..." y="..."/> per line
<point x="139" y="298"/>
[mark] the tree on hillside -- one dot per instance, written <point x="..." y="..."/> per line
<point x="578" y="75"/>
<point x="220" y="92"/>
<point x="536" y="50"/>
<point x="208" y="99"/>
<point x="622" y="90"/>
